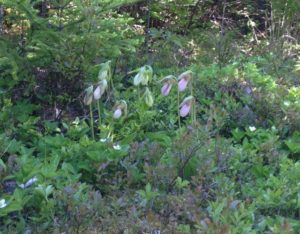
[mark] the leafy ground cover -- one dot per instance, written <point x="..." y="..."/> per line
<point x="130" y="117"/>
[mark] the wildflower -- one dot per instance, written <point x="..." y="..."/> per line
<point x="28" y="183"/>
<point x="105" y="71"/>
<point x="148" y="98"/>
<point x="185" y="106"/>
<point x="119" y="108"/>
<point x="148" y="73"/>
<point x="185" y="110"/>
<point x="88" y="98"/>
<point x="3" y="203"/>
<point x="252" y="128"/>
<point x="165" y="90"/>
<point x="117" y="147"/>
<point x="137" y="79"/>
<point x="117" y="113"/>
<point x="167" y="86"/>
<point x="143" y="76"/>
<point x="183" y="80"/>
<point x="99" y="91"/>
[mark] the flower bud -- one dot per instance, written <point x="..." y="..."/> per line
<point x="88" y="97"/>
<point x="185" y="106"/>
<point x="147" y="73"/>
<point x="103" y="74"/>
<point x="105" y="71"/>
<point x="183" y="80"/>
<point x="148" y="98"/>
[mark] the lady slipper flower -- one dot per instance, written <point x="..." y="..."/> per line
<point x="88" y="97"/>
<point x="186" y="105"/>
<point x="167" y="86"/>
<point x="182" y="84"/>
<point x="99" y="91"/>
<point x="165" y="90"/>
<point x="185" y="110"/>
<point x="143" y="76"/>
<point x="117" y="113"/>
<point x="183" y="80"/>
<point x="137" y="79"/>
<point x="119" y="108"/>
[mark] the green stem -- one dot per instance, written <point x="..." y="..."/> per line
<point x="194" y="109"/>
<point x="92" y="121"/>
<point x="99" y="112"/>
<point x="139" y="93"/>
<point x="178" y="108"/>
<point x="112" y="83"/>
<point x="193" y="104"/>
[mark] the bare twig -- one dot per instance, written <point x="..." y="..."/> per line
<point x="184" y="163"/>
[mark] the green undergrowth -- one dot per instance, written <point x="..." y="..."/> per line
<point x="235" y="170"/>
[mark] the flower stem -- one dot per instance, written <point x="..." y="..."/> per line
<point x="178" y="108"/>
<point x="193" y="114"/>
<point x="112" y="85"/>
<point x="111" y="80"/>
<point x="92" y="121"/>
<point x="99" y="112"/>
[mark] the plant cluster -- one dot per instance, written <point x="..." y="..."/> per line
<point x="122" y="116"/>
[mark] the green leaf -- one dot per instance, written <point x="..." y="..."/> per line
<point x="160" y="137"/>
<point x="2" y="164"/>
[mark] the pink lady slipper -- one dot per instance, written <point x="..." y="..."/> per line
<point x="167" y="86"/>
<point x="118" y="113"/>
<point x="99" y="91"/>
<point x="119" y="108"/>
<point x="183" y="80"/>
<point x="186" y="105"/>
